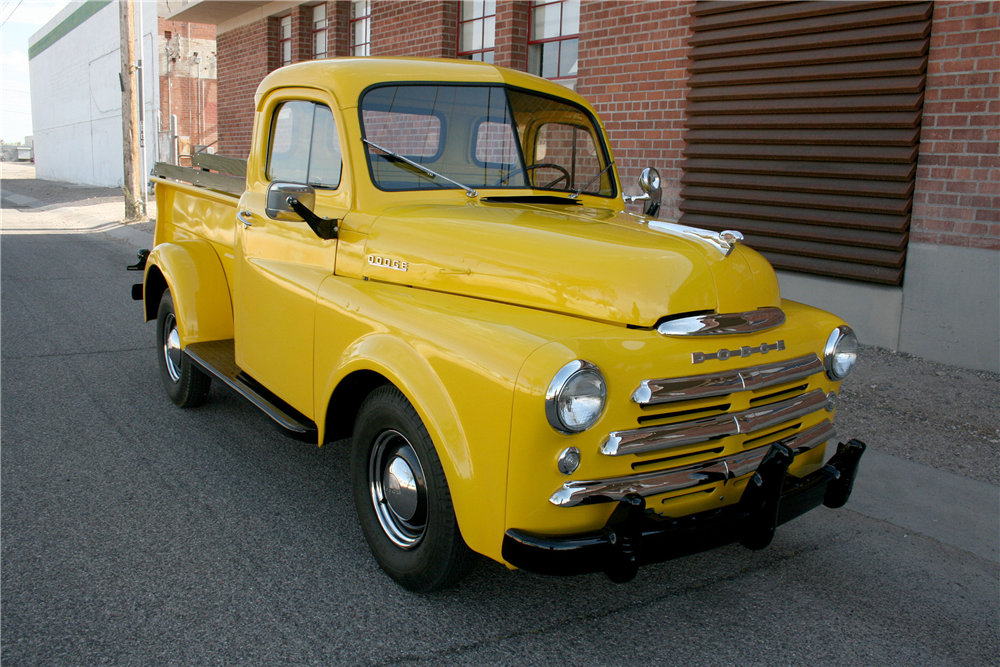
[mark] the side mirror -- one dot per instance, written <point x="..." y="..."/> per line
<point x="278" y="208"/>
<point x="295" y="202"/>
<point x="649" y="181"/>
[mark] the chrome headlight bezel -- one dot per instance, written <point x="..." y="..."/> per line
<point x="835" y="345"/>
<point x="559" y="383"/>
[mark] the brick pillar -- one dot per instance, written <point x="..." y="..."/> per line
<point x="512" y="34"/>
<point x="338" y="29"/>
<point x="956" y="198"/>
<point x="245" y="55"/>
<point x="428" y="28"/>
<point x="633" y="60"/>
<point x="302" y="47"/>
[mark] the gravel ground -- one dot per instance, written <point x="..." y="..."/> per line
<point x="942" y="416"/>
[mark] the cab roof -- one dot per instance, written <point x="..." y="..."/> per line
<point x="346" y="78"/>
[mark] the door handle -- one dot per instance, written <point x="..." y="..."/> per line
<point x="246" y="218"/>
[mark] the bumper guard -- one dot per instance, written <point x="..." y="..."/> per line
<point x="634" y="536"/>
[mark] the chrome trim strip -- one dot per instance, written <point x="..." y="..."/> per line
<point x="668" y="390"/>
<point x="724" y="244"/>
<point x="669" y="436"/>
<point x="724" y="324"/>
<point x="572" y="493"/>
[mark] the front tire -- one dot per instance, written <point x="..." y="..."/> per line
<point x="402" y="498"/>
<point x="185" y="383"/>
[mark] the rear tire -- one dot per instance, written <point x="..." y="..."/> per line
<point x="186" y="385"/>
<point x="402" y="498"/>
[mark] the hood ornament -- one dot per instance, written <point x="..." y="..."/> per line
<point x="724" y="242"/>
<point x="731" y="236"/>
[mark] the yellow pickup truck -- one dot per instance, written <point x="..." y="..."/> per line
<point x="434" y="259"/>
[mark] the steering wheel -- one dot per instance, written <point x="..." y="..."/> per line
<point x="532" y="167"/>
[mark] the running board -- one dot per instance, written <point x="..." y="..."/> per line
<point x="218" y="359"/>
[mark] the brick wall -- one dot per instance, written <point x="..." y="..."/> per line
<point x="246" y="55"/>
<point x="338" y="32"/>
<point x="249" y="53"/>
<point x="956" y="198"/>
<point x="511" y="48"/>
<point x="301" y="33"/>
<point x="425" y="28"/>
<point x="187" y="88"/>
<point x="633" y="57"/>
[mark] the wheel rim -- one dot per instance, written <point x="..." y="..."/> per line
<point x="172" y="347"/>
<point x="398" y="489"/>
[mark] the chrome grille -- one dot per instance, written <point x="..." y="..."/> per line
<point x="669" y="436"/>
<point x="574" y="493"/>
<point x="681" y="444"/>
<point x="654" y="392"/>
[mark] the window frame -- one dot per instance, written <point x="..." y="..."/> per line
<point x="324" y="29"/>
<point x="352" y="20"/>
<point x="532" y="6"/>
<point x="284" y="40"/>
<point x="468" y="55"/>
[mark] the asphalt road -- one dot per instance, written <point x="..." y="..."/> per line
<point x="136" y="533"/>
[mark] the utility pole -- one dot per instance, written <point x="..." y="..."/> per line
<point x="134" y="207"/>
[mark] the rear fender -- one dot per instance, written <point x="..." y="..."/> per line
<point x="193" y="273"/>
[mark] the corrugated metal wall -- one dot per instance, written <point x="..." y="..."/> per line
<point x="803" y="127"/>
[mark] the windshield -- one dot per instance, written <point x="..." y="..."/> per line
<point x="482" y="137"/>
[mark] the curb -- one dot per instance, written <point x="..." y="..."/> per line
<point x="133" y="237"/>
<point x="949" y="508"/>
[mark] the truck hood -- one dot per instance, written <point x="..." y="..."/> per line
<point x="595" y="263"/>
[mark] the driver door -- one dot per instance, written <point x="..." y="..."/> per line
<point x="280" y="263"/>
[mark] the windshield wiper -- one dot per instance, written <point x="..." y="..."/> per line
<point x="576" y="193"/>
<point x="469" y="192"/>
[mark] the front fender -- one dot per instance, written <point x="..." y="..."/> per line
<point x="456" y="360"/>
<point x="399" y="363"/>
<point x="197" y="282"/>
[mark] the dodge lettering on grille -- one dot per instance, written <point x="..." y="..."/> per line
<point x="745" y="351"/>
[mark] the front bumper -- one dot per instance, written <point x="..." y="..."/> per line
<point x="634" y="536"/>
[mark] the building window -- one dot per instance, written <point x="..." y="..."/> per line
<point x="361" y="27"/>
<point x="319" y="31"/>
<point x="477" y="30"/>
<point x="285" y="41"/>
<point x="553" y="40"/>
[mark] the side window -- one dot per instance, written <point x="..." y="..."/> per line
<point x="304" y="145"/>
<point x="415" y="135"/>
<point x="325" y="161"/>
<point x="572" y="148"/>
<point x="495" y="144"/>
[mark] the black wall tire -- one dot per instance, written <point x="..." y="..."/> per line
<point x="402" y="498"/>
<point x="186" y="384"/>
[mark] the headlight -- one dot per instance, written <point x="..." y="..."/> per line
<point x="575" y="398"/>
<point x="841" y="353"/>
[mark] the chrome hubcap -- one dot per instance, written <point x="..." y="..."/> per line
<point x="398" y="489"/>
<point x="172" y="347"/>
